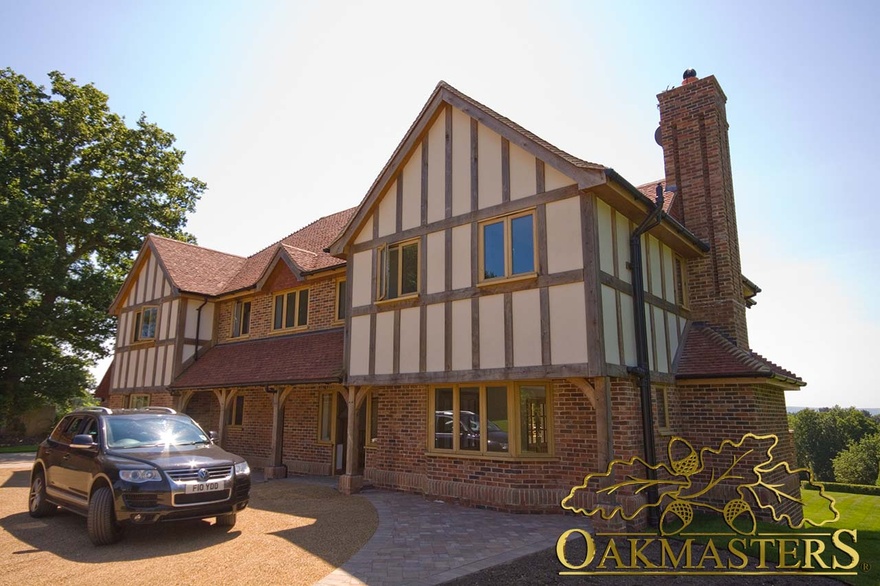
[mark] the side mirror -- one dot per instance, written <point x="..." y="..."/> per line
<point x="82" y="441"/>
<point x="215" y="437"/>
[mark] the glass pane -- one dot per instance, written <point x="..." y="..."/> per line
<point x="236" y="320"/>
<point x="469" y="419"/>
<point x="340" y="301"/>
<point x="326" y="403"/>
<point x="522" y="242"/>
<point x="303" y="312"/>
<point x="239" y="410"/>
<point x="246" y="318"/>
<point x="496" y="419"/>
<point x="493" y="250"/>
<point x="443" y="424"/>
<point x="150" y="322"/>
<point x="290" y="310"/>
<point x="533" y="419"/>
<point x="393" y="272"/>
<point x="279" y="312"/>
<point x="409" y="280"/>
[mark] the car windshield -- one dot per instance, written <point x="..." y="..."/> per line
<point x="151" y="431"/>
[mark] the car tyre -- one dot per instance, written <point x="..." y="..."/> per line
<point x="227" y="520"/>
<point x="38" y="505"/>
<point x="102" y="526"/>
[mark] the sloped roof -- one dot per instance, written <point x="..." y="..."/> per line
<point x="706" y="353"/>
<point x="301" y="358"/>
<point x="195" y="269"/>
<point x="650" y="191"/>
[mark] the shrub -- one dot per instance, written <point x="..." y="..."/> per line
<point x="858" y="464"/>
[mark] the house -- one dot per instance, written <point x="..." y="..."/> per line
<point x="484" y="327"/>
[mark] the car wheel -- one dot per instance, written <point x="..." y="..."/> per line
<point x="227" y="520"/>
<point x="102" y="525"/>
<point x="38" y="505"/>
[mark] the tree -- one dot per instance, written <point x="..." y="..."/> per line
<point x="860" y="462"/>
<point x="820" y="435"/>
<point x="79" y="191"/>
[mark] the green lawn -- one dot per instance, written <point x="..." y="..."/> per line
<point x="17" y="449"/>
<point x="860" y="512"/>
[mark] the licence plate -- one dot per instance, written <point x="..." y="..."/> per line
<point x="198" y="487"/>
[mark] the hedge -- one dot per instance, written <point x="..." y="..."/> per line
<point x="848" y="488"/>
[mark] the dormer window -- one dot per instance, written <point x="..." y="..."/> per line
<point x="291" y="310"/>
<point x="398" y="270"/>
<point x="145" y="324"/>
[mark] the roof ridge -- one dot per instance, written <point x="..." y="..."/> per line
<point x="175" y="241"/>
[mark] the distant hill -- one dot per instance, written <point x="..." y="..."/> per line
<point x="793" y="409"/>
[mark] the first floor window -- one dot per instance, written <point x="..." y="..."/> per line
<point x="340" y="300"/>
<point x="241" y="319"/>
<point x="235" y="414"/>
<point x="490" y="419"/>
<point x="398" y="270"/>
<point x="145" y="324"/>
<point x="291" y="310"/>
<point x="138" y="401"/>
<point x="507" y="246"/>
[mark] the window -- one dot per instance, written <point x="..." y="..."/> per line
<point x="681" y="296"/>
<point x="662" y="408"/>
<point x="325" y="417"/>
<point x="485" y="420"/>
<point x="241" y="319"/>
<point x="507" y="247"/>
<point x="235" y="414"/>
<point x="138" y="401"/>
<point x="340" y="300"/>
<point x="145" y="324"/>
<point x="372" y="419"/>
<point x="291" y="310"/>
<point x="398" y="270"/>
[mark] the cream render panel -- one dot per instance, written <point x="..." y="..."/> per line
<point x="461" y="163"/>
<point x="388" y="211"/>
<point x="359" y="360"/>
<point x="140" y="286"/>
<point x="172" y="318"/>
<point x="489" y="167"/>
<point x="660" y="339"/>
<point x="651" y="362"/>
<point x="527" y="328"/>
<point x="436" y="269"/>
<point x="189" y="351"/>
<point x="672" y="328"/>
<point x="461" y="256"/>
<point x="141" y="359"/>
<point x="147" y="275"/>
<point x="623" y="232"/>
<point x="609" y="323"/>
<point x="411" y="213"/>
<point x="553" y="179"/>
<point x="564" y="249"/>
<point x="437" y="169"/>
<point x="462" y="349"/>
<point x="606" y="240"/>
<point x="654" y="259"/>
<point x="492" y="332"/>
<point x="150" y="368"/>
<point x="568" y="324"/>
<point x="668" y="273"/>
<point x="366" y="233"/>
<point x="166" y="288"/>
<point x="205" y="324"/>
<point x="628" y="325"/>
<point x="523" y="182"/>
<point x="410" y="345"/>
<point x="169" y="366"/>
<point x="362" y="278"/>
<point x="435" y="351"/>
<point x="160" y="365"/>
<point x="384" y="343"/>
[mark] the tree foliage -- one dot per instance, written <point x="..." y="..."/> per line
<point x="79" y="191"/>
<point x="820" y="435"/>
<point x="860" y="462"/>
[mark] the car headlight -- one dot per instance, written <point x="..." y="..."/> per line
<point x="242" y="468"/>
<point x="143" y="475"/>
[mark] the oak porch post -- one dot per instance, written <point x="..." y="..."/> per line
<point x="276" y="469"/>
<point x="350" y="483"/>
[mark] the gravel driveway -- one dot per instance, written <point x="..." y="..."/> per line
<point x="292" y="533"/>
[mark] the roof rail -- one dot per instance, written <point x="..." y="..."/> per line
<point x="96" y="409"/>
<point x="168" y="410"/>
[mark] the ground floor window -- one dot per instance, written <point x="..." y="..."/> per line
<point x="138" y="401"/>
<point x="490" y="419"/>
<point x="235" y="414"/>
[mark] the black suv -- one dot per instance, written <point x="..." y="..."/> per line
<point x="125" y="466"/>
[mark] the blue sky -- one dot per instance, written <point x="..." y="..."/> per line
<point x="289" y="111"/>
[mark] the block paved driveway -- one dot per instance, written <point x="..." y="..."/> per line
<point x="297" y="531"/>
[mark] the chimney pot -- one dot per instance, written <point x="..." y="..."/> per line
<point x="688" y="76"/>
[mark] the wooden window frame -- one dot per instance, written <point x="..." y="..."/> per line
<point x="238" y="314"/>
<point x="340" y="301"/>
<point x="383" y="277"/>
<point x="331" y="421"/>
<point x="132" y="398"/>
<point x="139" y="323"/>
<point x="235" y="413"/>
<point x="508" y="247"/>
<point x="514" y="425"/>
<point x="284" y="295"/>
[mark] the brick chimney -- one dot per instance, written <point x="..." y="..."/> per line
<point x="696" y="153"/>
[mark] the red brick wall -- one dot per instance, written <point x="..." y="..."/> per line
<point x="696" y="151"/>
<point x="302" y="453"/>
<point x="204" y="407"/>
<point x="253" y="438"/>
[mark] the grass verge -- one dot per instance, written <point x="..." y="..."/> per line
<point x="18" y="449"/>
